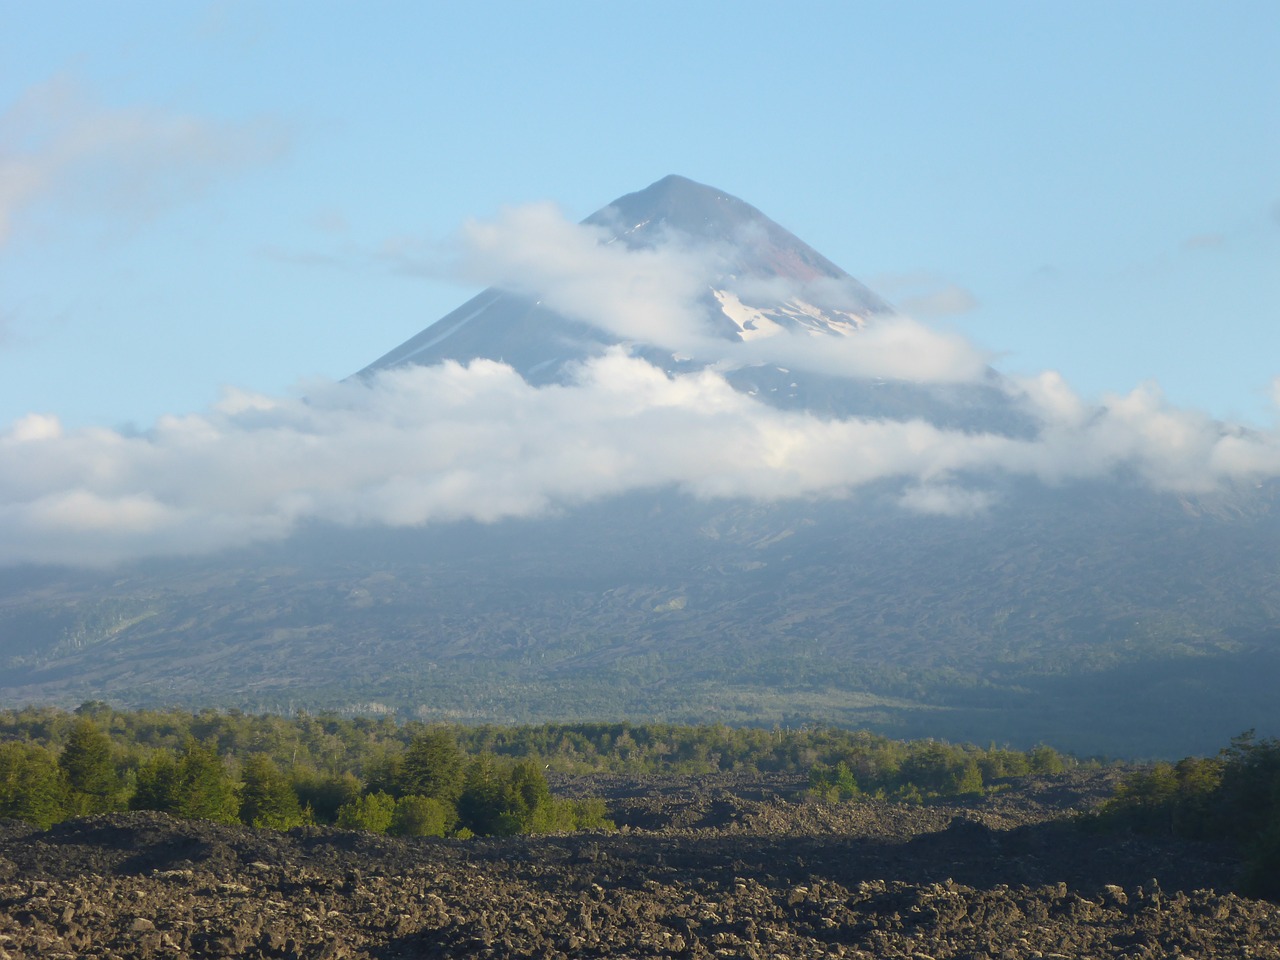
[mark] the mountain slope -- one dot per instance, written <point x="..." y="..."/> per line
<point x="1100" y="619"/>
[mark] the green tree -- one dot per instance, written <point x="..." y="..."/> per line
<point x="1261" y="874"/>
<point x="195" y="785"/>
<point x="422" y="817"/>
<point x="431" y="767"/>
<point x="158" y="784"/>
<point x="833" y="783"/>
<point x="484" y="806"/>
<point x="1250" y="785"/>
<point x="267" y="798"/>
<point x="967" y="777"/>
<point x="591" y="814"/>
<point x="96" y="710"/>
<point x="371" y="812"/>
<point x="529" y="797"/>
<point x="206" y="790"/>
<point x="324" y="796"/>
<point x="31" y="786"/>
<point x="93" y="784"/>
<point x="940" y="770"/>
<point x="1045" y="759"/>
<point x="1004" y="763"/>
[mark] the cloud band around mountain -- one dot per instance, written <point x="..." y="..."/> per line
<point x="419" y="445"/>
<point x="424" y="445"/>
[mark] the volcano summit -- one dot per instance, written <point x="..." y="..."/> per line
<point x="689" y="278"/>
<point x="755" y="275"/>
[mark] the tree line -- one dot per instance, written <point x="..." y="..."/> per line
<point x="73" y="766"/>
<point x="412" y="779"/>
<point x="916" y="771"/>
<point x="1233" y="797"/>
<point x="372" y="773"/>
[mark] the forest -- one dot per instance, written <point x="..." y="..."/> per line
<point x="413" y="779"/>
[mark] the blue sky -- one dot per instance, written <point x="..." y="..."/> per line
<point x="203" y="205"/>
<point x="192" y="195"/>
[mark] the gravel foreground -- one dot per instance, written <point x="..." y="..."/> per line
<point x="703" y="867"/>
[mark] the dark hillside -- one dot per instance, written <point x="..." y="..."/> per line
<point x="1121" y="631"/>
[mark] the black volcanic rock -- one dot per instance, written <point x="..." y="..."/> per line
<point x="771" y="878"/>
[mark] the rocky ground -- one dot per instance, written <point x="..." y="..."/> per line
<point x="726" y="867"/>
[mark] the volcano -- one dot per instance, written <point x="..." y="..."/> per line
<point x="1092" y="611"/>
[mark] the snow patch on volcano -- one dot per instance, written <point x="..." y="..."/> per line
<point x="752" y="322"/>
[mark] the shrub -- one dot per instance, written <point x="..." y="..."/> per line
<point x="416" y="816"/>
<point x="371" y="812"/>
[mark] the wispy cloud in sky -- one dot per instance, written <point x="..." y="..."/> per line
<point x="61" y="148"/>
<point x="925" y="294"/>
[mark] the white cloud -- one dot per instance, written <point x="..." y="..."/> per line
<point x="36" y="426"/>
<point x="1051" y="399"/>
<point x="1140" y="433"/>
<point x="944" y="301"/>
<point x="425" y="445"/>
<point x="925" y="294"/>
<point x="60" y="148"/>
<point x="649" y="294"/>
<point x="889" y="347"/>
<point x="945" y="500"/>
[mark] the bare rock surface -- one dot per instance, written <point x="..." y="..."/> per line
<point x="702" y="867"/>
